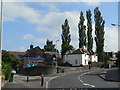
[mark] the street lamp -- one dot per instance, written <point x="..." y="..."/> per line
<point x="56" y="56"/>
<point x="115" y="25"/>
<point x="104" y="59"/>
<point x="1" y="35"/>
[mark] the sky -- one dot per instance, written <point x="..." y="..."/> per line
<point x="35" y="22"/>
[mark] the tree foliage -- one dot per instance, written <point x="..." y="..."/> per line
<point x="66" y="38"/>
<point x="6" y="70"/>
<point x="10" y="58"/>
<point x="99" y="32"/>
<point x="89" y="30"/>
<point x="106" y="58"/>
<point x="82" y="31"/>
<point x="49" y="46"/>
<point x="9" y="62"/>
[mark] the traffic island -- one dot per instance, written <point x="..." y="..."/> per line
<point x="111" y="75"/>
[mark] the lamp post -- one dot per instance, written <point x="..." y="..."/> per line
<point x="115" y="25"/>
<point x="1" y="36"/>
<point x="104" y="59"/>
<point x="56" y="57"/>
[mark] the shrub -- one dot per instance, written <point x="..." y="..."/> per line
<point x="97" y="64"/>
<point x="6" y="70"/>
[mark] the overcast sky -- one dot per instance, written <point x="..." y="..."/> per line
<point x="36" y="22"/>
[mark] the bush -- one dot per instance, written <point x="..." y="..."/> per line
<point x="97" y="64"/>
<point x="6" y="70"/>
<point x="10" y="58"/>
<point x="81" y="65"/>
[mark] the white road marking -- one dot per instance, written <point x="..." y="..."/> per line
<point x="86" y="84"/>
<point x="81" y="80"/>
<point x="47" y="82"/>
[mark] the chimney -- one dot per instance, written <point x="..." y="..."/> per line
<point x="31" y="47"/>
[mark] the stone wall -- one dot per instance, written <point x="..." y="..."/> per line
<point x="37" y="70"/>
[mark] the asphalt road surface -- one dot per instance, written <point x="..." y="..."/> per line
<point x="85" y="79"/>
<point x="89" y="79"/>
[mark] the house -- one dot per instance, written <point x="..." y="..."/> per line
<point x="51" y="57"/>
<point x="113" y="58"/>
<point x="32" y="61"/>
<point x="34" y="57"/>
<point x="80" y="56"/>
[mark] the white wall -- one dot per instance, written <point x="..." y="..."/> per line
<point x="81" y="59"/>
<point x="85" y="59"/>
<point x="94" y="58"/>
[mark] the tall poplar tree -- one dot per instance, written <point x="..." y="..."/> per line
<point x="66" y="38"/>
<point x="89" y="30"/>
<point x="82" y="31"/>
<point x="99" y="32"/>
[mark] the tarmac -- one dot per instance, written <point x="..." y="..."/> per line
<point x="112" y="74"/>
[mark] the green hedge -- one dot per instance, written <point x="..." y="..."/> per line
<point x="97" y="64"/>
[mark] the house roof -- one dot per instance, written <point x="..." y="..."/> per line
<point x="82" y="51"/>
<point x="18" y="55"/>
<point x="34" y="52"/>
<point x="52" y="53"/>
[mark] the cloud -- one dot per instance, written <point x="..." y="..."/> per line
<point x="51" y="22"/>
<point x="51" y="6"/>
<point x="111" y="39"/>
<point x="20" y="49"/>
<point x="59" y="0"/>
<point x="52" y="26"/>
<point x="14" y="11"/>
<point x="92" y="2"/>
<point x="28" y="36"/>
<point x="33" y="39"/>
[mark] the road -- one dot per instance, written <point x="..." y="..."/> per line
<point x="85" y="79"/>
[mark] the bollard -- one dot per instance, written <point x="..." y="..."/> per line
<point x="42" y="80"/>
<point x="57" y="69"/>
<point x="62" y="70"/>
<point x="27" y="78"/>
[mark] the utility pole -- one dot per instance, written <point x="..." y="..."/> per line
<point x="1" y="36"/>
<point x="56" y="57"/>
<point x="104" y="59"/>
<point x="1" y="32"/>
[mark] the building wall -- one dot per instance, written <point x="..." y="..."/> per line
<point x="78" y="59"/>
<point x="32" y="61"/>
<point x="85" y="59"/>
<point x="75" y="59"/>
<point x="94" y="58"/>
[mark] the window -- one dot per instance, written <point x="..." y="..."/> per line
<point x="85" y="61"/>
<point x="76" y="62"/>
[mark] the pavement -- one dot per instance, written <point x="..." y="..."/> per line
<point x="112" y="74"/>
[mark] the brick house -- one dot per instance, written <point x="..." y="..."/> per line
<point x="34" y="57"/>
